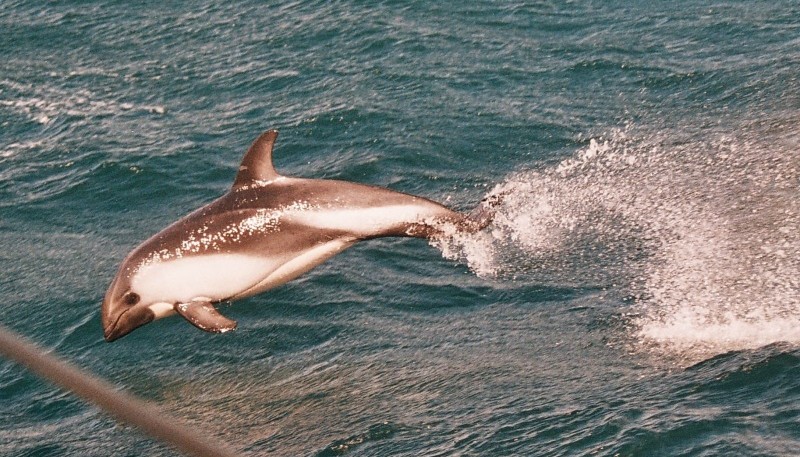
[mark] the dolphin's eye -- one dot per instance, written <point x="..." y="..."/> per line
<point x="131" y="298"/>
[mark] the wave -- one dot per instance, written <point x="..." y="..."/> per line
<point x="43" y="104"/>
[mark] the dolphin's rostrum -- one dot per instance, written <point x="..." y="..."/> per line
<point x="267" y="230"/>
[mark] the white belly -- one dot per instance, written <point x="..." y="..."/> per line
<point x="298" y="265"/>
<point x="226" y="276"/>
<point x="213" y="276"/>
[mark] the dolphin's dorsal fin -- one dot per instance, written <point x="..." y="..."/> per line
<point x="257" y="162"/>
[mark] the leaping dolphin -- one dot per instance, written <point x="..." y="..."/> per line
<point x="267" y="230"/>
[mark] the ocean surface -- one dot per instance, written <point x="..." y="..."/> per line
<point x="637" y="295"/>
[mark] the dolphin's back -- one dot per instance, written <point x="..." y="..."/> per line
<point x="285" y="218"/>
<point x="360" y="210"/>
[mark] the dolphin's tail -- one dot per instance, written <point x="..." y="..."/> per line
<point x="476" y="220"/>
<point x="483" y="214"/>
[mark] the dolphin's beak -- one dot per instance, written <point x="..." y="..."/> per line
<point x="116" y="325"/>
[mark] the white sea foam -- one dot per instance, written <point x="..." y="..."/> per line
<point x="703" y="234"/>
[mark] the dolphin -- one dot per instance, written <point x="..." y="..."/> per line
<point x="267" y="230"/>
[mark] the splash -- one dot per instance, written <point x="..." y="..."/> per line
<point x="700" y="234"/>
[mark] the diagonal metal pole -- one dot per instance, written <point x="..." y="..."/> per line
<point x="122" y="406"/>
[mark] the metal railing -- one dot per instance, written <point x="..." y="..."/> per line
<point x="122" y="406"/>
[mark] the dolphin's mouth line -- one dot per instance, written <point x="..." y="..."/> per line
<point x="128" y="321"/>
<point x="110" y="329"/>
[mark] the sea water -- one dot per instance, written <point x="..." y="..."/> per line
<point x="637" y="294"/>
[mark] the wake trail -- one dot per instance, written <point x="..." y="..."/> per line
<point x="700" y="230"/>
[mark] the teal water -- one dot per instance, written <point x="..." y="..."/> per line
<point x="638" y="294"/>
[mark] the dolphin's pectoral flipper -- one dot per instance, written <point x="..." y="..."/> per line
<point x="204" y="316"/>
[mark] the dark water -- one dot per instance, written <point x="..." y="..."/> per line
<point x="637" y="295"/>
